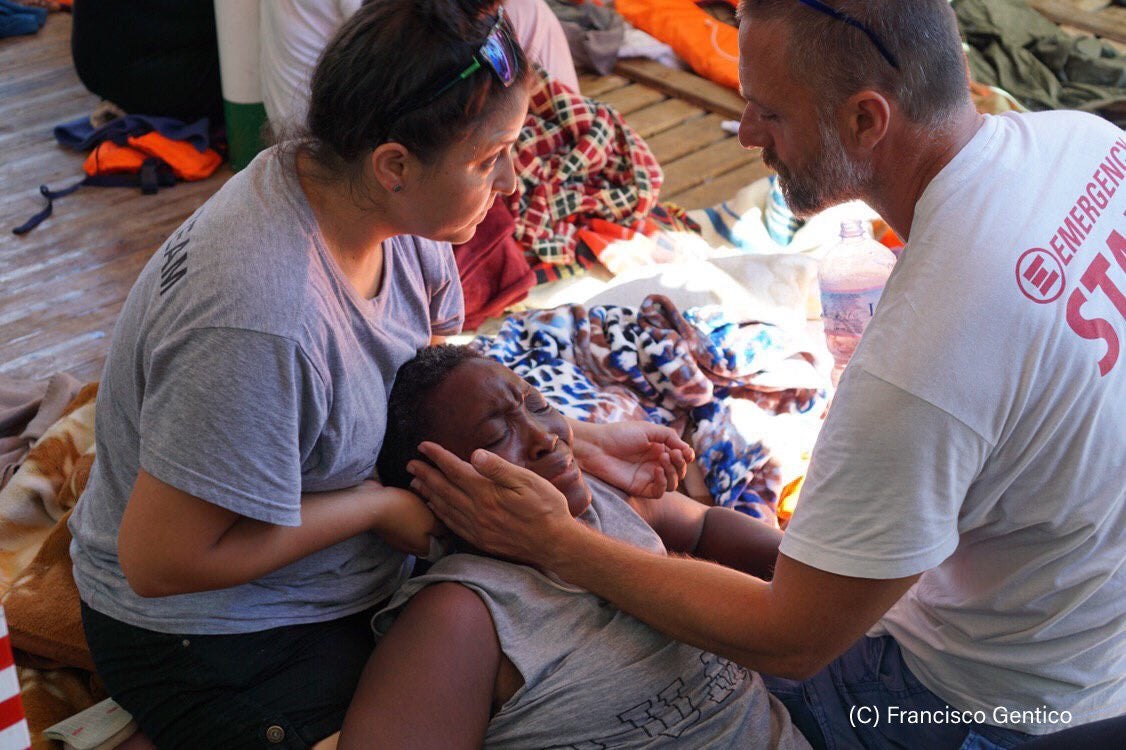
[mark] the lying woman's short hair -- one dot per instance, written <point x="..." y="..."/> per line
<point x="388" y="55"/>
<point x="408" y="420"/>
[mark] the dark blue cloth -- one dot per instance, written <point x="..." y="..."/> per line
<point x="847" y="705"/>
<point x="80" y="135"/>
<point x="16" y="20"/>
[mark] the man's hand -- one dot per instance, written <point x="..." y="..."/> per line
<point x="495" y="506"/>
<point x="641" y="458"/>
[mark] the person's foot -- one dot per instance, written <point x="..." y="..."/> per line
<point x="105" y="112"/>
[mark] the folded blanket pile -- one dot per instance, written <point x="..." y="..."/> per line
<point x="1013" y="46"/>
<point x="45" y="487"/>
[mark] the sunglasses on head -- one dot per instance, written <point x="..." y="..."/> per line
<point x="840" y="16"/>
<point x="497" y="53"/>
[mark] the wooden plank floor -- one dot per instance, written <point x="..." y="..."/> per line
<point x="1097" y="17"/>
<point x="62" y="285"/>
<point x="680" y="115"/>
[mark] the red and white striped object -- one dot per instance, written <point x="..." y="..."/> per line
<point x="14" y="734"/>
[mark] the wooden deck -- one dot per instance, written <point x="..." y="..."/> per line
<point x="61" y="286"/>
<point x="680" y="115"/>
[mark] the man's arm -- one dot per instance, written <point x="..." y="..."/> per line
<point x="791" y="626"/>
<point x="430" y="681"/>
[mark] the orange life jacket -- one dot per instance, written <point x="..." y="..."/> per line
<point x="109" y="158"/>
<point x="150" y="161"/>
<point x="710" y="47"/>
<point x="186" y="162"/>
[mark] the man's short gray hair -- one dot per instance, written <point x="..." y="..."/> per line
<point x="837" y="60"/>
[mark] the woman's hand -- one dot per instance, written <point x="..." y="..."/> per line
<point x="403" y="519"/>
<point x="495" y="506"/>
<point x="641" y="458"/>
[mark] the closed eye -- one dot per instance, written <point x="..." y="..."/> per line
<point x="496" y="439"/>
<point x="492" y="161"/>
<point x="537" y="403"/>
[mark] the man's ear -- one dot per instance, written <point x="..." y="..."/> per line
<point x="867" y="118"/>
<point x="390" y="166"/>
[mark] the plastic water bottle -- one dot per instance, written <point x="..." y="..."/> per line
<point x="852" y="276"/>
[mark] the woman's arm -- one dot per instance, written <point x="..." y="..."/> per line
<point x="430" y="682"/>
<point x="172" y="542"/>
<point x="721" y="535"/>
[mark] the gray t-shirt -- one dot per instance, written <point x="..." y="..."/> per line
<point x="595" y="676"/>
<point x="245" y="370"/>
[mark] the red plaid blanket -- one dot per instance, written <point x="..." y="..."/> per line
<point x="577" y="159"/>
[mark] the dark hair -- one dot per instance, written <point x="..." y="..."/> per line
<point x="408" y="421"/>
<point x="390" y="53"/>
<point x="837" y="60"/>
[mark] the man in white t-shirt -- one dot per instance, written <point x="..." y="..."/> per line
<point x="955" y="570"/>
<point x="294" y="32"/>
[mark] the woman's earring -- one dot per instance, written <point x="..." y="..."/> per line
<point x="397" y="189"/>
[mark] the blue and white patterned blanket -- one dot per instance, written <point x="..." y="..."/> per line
<point x="612" y="363"/>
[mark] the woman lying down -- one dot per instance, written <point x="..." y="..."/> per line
<point x="479" y="651"/>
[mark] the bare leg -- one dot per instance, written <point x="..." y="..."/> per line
<point x="137" y="741"/>
<point x="328" y="743"/>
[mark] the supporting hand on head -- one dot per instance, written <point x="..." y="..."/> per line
<point x="492" y="504"/>
<point x="641" y="458"/>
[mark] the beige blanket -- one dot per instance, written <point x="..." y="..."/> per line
<point x="36" y="585"/>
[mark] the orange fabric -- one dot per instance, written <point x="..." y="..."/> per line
<point x="601" y="234"/>
<point x="886" y="236"/>
<point x="788" y="500"/>
<point x="109" y="158"/>
<point x="709" y="46"/>
<point x="187" y="163"/>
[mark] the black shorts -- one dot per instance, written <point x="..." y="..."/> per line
<point x="287" y="687"/>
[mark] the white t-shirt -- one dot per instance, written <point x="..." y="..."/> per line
<point x="978" y="433"/>
<point x="293" y="33"/>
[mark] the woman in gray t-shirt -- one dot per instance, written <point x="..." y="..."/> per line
<point x="231" y="540"/>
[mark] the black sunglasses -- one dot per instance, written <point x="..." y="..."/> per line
<point x="833" y="12"/>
